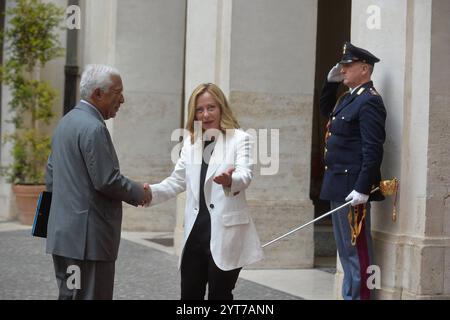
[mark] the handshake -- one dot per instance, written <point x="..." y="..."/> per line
<point x="224" y="179"/>
<point x="147" y="195"/>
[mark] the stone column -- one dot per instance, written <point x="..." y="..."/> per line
<point x="258" y="53"/>
<point x="208" y="27"/>
<point x="145" y="41"/>
<point x="98" y="36"/>
<point x="271" y="87"/>
<point x="8" y="208"/>
<point x="413" y="44"/>
<point x="149" y="52"/>
<point x="389" y="80"/>
<point x="435" y="266"/>
<point x="7" y="200"/>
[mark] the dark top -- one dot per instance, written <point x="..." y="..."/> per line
<point x="200" y="235"/>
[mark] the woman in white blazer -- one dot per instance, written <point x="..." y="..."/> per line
<point x="214" y="168"/>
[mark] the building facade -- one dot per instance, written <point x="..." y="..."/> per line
<point x="271" y="58"/>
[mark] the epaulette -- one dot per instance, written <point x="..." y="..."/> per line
<point x="373" y="92"/>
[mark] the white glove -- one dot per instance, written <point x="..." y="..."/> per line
<point x="357" y="198"/>
<point x="335" y="74"/>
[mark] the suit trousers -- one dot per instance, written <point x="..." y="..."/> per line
<point x="84" y="279"/>
<point x="198" y="269"/>
<point x="355" y="259"/>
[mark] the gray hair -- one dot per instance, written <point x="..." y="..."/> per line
<point x="96" y="76"/>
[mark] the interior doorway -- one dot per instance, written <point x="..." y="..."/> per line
<point x="333" y="29"/>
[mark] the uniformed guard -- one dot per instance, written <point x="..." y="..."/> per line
<point x="353" y="154"/>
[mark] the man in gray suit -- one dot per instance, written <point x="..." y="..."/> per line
<point x="87" y="190"/>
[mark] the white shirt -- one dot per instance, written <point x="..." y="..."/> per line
<point x="353" y="90"/>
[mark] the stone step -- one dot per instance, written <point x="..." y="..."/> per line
<point x="324" y="244"/>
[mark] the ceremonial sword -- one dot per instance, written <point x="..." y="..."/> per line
<point x="388" y="187"/>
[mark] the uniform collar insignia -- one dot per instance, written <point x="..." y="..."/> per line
<point x="373" y="91"/>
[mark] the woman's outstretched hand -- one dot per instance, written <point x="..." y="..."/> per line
<point x="224" y="178"/>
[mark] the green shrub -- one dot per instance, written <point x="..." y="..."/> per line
<point x="31" y="40"/>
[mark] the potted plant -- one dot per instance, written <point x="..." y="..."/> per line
<point x="31" y="40"/>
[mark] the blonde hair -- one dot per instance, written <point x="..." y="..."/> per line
<point x="227" y="119"/>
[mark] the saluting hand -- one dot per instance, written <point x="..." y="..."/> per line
<point x="335" y="74"/>
<point x="224" y="178"/>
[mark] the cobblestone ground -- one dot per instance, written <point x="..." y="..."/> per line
<point x="142" y="273"/>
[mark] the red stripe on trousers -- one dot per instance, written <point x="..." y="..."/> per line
<point x="363" y="255"/>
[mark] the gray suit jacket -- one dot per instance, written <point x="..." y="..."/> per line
<point x="88" y="189"/>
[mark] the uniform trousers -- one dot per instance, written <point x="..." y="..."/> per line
<point x="355" y="259"/>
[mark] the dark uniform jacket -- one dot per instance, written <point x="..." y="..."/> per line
<point x="354" y="141"/>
